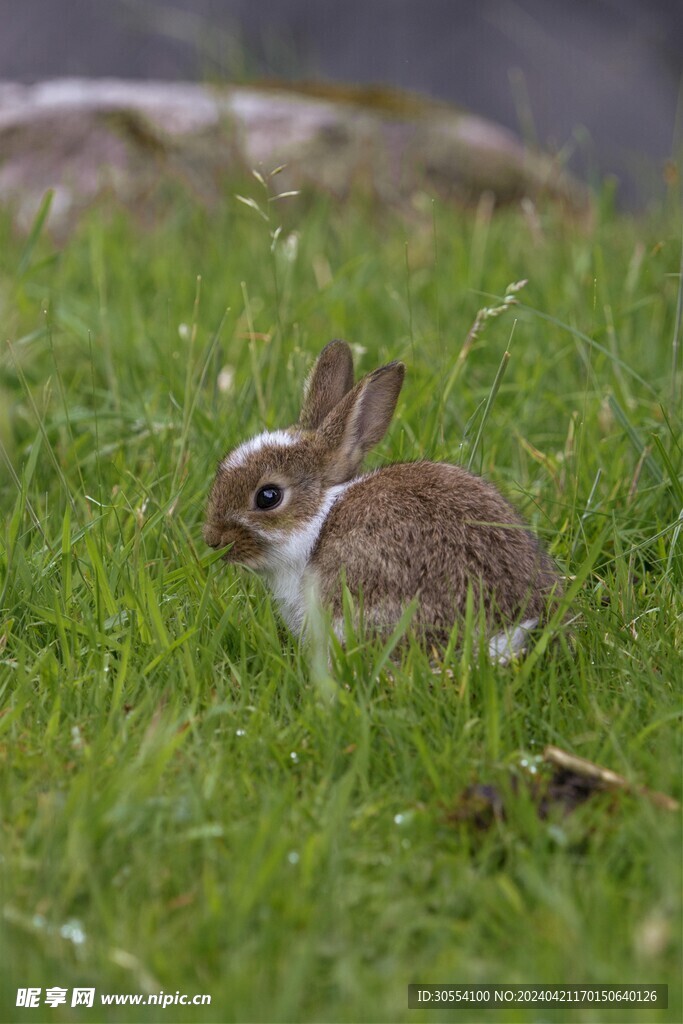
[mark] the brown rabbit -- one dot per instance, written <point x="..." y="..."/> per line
<point x="292" y="506"/>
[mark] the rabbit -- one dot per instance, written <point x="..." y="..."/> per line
<point x="292" y="505"/>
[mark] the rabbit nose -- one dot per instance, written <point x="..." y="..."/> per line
<point x="213" y="536"/>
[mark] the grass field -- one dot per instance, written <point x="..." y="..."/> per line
<point x="190" y="803"/>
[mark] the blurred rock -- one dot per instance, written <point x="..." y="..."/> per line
<point x="595" y="80"/>
<point x="86" y="138"/>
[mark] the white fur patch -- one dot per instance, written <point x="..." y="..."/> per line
<point x="507" y="645"/>
<point x="287" y="561"/>
<point x="269" y="438"/>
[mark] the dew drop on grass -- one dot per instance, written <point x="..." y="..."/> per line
<point x="403" y="818"/>
<point x="293" y="857"/>
<point x="73" y="931"/>
<point x="225" y="379"/>
<point x="240" y="732"/>
<point x="652" y="935"/>
<point x="294" y="757"/>
<point x="558" y="835"/>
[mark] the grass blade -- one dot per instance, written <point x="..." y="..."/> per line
<point x="35" y="232"/>
<point x="491" y="399"/>
<point x="636" y="440"/>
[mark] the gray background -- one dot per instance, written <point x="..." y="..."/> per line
<point x="599" y="80"/>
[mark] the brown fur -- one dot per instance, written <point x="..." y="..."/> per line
<point x="452" y="529"/>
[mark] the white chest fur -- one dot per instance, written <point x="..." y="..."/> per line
<point x="286" y="571"/>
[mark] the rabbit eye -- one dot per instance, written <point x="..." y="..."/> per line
<point x="269" y="496"/>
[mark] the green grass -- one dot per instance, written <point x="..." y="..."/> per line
<point x="187" y="802"/>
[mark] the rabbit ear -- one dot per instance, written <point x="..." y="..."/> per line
<point x="330" y="379"/>
<point x="360" y="421"/>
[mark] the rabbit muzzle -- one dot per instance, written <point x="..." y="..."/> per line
<point x="242" y="545"/>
